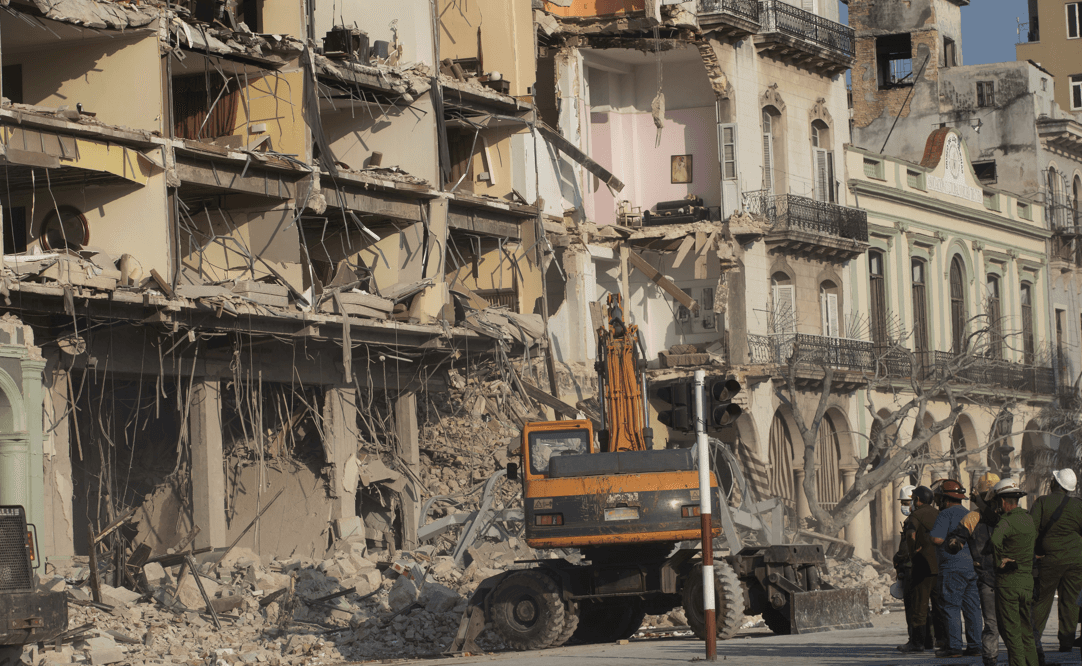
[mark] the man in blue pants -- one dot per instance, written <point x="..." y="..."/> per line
<point x="957" y="578"/>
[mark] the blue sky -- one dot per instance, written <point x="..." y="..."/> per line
<point x="989" y="30"/>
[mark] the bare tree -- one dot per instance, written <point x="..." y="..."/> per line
<point x="893" y="449"/>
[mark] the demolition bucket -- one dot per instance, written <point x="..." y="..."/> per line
<point x="829" y="610"/>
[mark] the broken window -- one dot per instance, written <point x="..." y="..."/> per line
<point x="986" y="171"/>
<point x="986" y="93"/>
<point x="894" y="60"/>
<point x="204" y="107"/>
<point x="1072" y="20"/>
<point x="461" y="146"/>
<point x="1076" y="92"/>
<point x="950" y="55"/>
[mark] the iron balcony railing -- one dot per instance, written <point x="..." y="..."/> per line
<point x="790" y="212"/>
<point x="811" y="350"/>
<point x="778" y="16"/>
<point x="932" y="366"/>
<point x="747" y="9"/>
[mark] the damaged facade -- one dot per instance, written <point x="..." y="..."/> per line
<point x="245" y="244"/>
<point x="1026" y="155"/>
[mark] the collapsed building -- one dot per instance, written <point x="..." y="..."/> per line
<point x="243" y="245"/>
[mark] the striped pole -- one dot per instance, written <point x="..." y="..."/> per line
<point x="704" y="517"/>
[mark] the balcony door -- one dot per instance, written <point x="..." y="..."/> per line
<point x="958" y="306"/>
<point x="823" y="162"/>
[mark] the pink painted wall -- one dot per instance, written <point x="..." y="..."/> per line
<point x="627" y="142"/>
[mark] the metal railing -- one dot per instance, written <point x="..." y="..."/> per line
<point x="932" y="366"/>
<point x="748" y="9"/>
<point x="778" y="16"/>
<point x="788" y="211"/>
<point x="811" y="350"/>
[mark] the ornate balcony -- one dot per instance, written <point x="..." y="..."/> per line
<point x="804" y="39"/>
<point x="934" y="366"/>
<point x="734" y="18"/>
<point x="803" y="226"/>
<point x="853" y="360"/>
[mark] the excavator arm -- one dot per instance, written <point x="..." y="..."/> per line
<point x="622" y="384"/>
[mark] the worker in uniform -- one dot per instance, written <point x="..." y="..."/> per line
<point x="957" y="578"/>
<point x="924" y="572"/>
<point x="903" y="563"/>
<point x="980" y="546"/>
<point x="1058" y="518"/>
<point x="1012" y="545"/>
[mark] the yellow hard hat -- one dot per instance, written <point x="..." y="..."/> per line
<point x="987" y="482"/>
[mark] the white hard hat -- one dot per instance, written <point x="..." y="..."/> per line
<point x="1066" y="479"/>
<point x="906" y="493"/>
<point x="1008" y="488"/>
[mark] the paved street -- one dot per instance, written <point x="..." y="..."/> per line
<point x="756" y="647"/>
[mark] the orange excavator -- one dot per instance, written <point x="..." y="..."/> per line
<point x="632" y="512"/>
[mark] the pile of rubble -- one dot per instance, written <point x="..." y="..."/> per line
<point x="855" y="572"/>
<point x="352" y="606"/>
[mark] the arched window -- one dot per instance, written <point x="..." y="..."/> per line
<point x="828" y="306"/>
<point x="773" y="152"/>
<point x="999" y="444"/>
<point x="958" y="305"/>
<point x="1076" y="196"/>
<point x="780" y="471"/>
<point x="877" y="313"/>
<point x="822" y="161"/>
<point x="920" y="306"/>
<point x="994" y="311"/>
<point x="828" y="477"/>
<point x="784" y="313"/>
<point x="1027" y="323"/>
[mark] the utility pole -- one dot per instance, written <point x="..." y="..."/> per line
<point x="709" y="620"/>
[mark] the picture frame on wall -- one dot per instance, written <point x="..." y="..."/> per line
<point x="681" y="169"/>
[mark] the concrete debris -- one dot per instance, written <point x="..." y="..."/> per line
<point x="855" y="572"/>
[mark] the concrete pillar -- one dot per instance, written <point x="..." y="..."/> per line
<point x="56" y="537"/>
<point x="430" y="304"/>
<point x="859" y="530"/>
<point x="340" y="449"/>
<point x="799" y="498"/>
<point x="208" y="474"/>
<point x="32" y="371"/>
<point x="405" y="417"/>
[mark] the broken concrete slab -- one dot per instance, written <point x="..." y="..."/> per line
<point x="403" y="593"/>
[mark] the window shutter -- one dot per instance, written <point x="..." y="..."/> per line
<point x="808" y="5"/>
<point x="830" y="176"/>
<point x="784" y="309"/>
<point x="829" y="304"/>
<point x="821" y="185"/>
<point x="728" y="151"/>
<point x="768" y="164"/>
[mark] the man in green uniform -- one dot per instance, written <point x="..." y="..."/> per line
<point x="1058" y="518"/>
<point x="1012" y="543"/>
<point x="924" y="575"/>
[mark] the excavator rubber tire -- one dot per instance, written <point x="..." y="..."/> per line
<point x="571" y="623"/>
<point x="526" y="610"/>
<point x="778" y="621"/>
<point x="728" y="601"/>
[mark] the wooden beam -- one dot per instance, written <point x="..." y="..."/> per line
<point x="569" y="149"/>
<point x="665" y="283"/>
<point x="559" y="405"/>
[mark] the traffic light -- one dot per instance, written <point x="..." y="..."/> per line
<point x="722" y="411"/>
<point x="680" y="415"/>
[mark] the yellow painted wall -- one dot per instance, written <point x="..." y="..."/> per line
<point x="396" y="258"/>
<point x="283" y="17"/>
<point x="276" y="100"/>
<point x="506" y="37"/>
<point x="259" y="232"/>
<point x="406" y="136"/>
<point x="588" y="8"/>
<point x="115" y="78"/>
<point x="499" y="161"/>
<point x="494" y="274"/>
